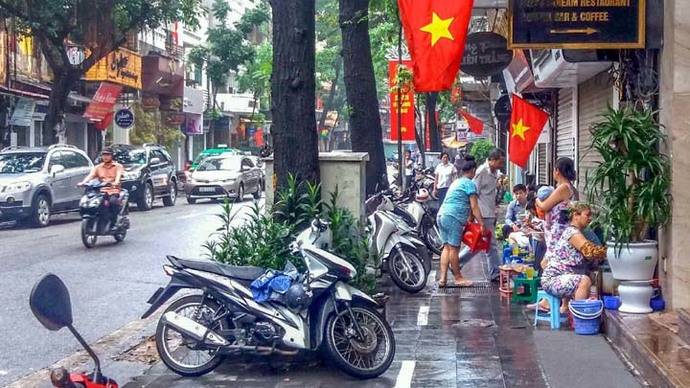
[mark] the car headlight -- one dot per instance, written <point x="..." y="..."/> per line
<point x="16" y="187"/>
<point x="228" y="180"/>
<point x="131" y="175"/>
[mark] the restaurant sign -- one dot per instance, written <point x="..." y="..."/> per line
<point x="577" y="24"/>
<point x="122" y="67"/>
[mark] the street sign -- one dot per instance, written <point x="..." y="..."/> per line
<point x="486" y="54"/>
<point x="124" y="118"/>
<point x="577" y="24"/>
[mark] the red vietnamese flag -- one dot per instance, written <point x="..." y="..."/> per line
<point x="476" y="125"/>
<point x="526" y="124"/>
<point x="435" y="31"/>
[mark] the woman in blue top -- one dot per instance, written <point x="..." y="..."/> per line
<point x="452" y="217"/>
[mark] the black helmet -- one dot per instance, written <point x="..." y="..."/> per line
<point x="297" y="297"/>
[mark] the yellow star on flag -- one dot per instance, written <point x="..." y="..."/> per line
<point x="519" y="129"/>
<point x="438" y="28"/>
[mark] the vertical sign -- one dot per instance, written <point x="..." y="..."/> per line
<point x="406" y="106"/>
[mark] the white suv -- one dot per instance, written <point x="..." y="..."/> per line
<point x="36" y="183"/>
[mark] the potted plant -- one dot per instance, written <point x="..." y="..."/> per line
<point x="631" y="184"/>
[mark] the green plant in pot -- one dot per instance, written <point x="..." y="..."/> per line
<point x="631" y="186"/>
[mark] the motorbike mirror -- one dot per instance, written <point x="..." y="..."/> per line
<point x="50" y="303"/>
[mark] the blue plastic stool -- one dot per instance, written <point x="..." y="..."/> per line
<point x="554" y="317"/>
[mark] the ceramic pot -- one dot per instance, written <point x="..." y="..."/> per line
<point x="635" y="261"/>
<point x="635" y="297"/>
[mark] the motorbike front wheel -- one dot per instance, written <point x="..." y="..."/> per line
<point x="363" y="356"/>
<point x="406" y="268"/>
<point x="432" y="238"/>
<point x="87" y="238"/>
<point x="184" y="355"/>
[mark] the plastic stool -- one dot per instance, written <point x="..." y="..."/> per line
<point x="554" y="317"/>
<point x="530" y="289"/>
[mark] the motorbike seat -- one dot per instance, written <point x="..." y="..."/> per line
<point x="231" y="271"/>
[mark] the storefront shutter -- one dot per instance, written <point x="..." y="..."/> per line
<point x="565" y="132"/>
<point x="596" y="95"/>
<point x="542" y="165"/>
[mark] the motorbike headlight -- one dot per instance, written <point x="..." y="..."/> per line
<point x="89" y="202"/>
<point x="16" y="187"/>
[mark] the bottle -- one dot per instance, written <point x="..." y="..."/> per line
<point x="516" y="250"/>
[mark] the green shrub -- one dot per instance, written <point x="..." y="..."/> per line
<point x="263" y="238"/>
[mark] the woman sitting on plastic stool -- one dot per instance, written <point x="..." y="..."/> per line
<point x="560" y="277"/>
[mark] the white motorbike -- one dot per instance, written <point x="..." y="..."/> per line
<point x="318" y="311"/>
<point x="423" y="219"/>
<point x="402" y="254"/>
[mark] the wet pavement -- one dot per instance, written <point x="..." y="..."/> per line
<point x="444" y="338"/>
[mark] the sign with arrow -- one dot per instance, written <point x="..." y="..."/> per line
<point x="577" y="24"/>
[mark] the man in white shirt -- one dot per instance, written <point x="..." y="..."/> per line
<point x="486" y="180"/>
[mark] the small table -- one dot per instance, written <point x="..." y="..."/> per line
<point x="530" y="288"/>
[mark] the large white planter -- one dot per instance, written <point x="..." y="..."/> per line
<point x="636" y="261"/>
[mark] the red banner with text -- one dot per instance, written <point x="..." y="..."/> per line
<point x="406" y="107"/>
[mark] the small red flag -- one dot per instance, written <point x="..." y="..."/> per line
<point x="435" y="31"/>
<point x="526" y="124"/>
<point x="476" y="125"/>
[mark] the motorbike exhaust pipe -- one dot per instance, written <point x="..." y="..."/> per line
<point x="201" y="333"/>
<point x="193" y="329"/>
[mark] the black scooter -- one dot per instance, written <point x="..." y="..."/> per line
<point x="96" y="216"/>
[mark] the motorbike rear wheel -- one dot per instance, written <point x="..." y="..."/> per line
<point x="89" y="240"/>
<point x="406" y="268"/>
<point x="175" y="349"/>
<point x="363" y="358"/>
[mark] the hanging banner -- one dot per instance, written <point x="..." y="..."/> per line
<point x="577" y="24"/>
<point x="122" y="67"/>
<point x="486" y="54"/>
<point x="194" y="124"/>
<point x="23" y="113"/>
<point x="407" y="127"/>
<point x="103" y="101"/>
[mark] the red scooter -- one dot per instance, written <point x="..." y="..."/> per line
<point x="50" y="304"/>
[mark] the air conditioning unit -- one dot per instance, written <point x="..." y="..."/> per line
<point x="566" y="68"/>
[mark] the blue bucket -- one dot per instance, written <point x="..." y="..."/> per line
<point x="587" y="316"/>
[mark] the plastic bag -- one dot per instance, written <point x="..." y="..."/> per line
<point x="474" y="239"/>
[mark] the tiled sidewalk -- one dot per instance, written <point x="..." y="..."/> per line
<point x="445" y="338"/>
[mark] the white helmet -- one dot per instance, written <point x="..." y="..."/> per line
<point x="422" y="195"/>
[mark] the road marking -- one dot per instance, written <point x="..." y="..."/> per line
<point x="423" y="316"/>
<point x="404" y="379"/>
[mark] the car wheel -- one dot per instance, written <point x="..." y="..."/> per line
<point x="146" y="200"/>
<point x="257" y="193"/>
<point x="240" y="193"/>
<point x="170" y="199"/>
<point x="40" y="216"/>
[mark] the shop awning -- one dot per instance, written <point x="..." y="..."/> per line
<point x="16" y="92"/>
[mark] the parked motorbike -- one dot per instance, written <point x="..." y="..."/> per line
<point x="403" y="255"/>
<point x="96" y="218"/>
<point x="418" y="210"/>
<point x="50" y="304"/>
<point x="319" y="311"/>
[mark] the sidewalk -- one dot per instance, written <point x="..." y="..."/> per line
<point x="445" y="338"/>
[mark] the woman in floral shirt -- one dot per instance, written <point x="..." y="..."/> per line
<point x="560" y="277"/>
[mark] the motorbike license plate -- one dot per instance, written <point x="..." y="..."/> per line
<point x="207" y="189"/>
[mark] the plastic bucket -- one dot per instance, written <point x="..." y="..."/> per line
<point x="586" y="316"/>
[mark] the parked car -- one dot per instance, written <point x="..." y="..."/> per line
<point x="209" y="152"/>
<point x="229" y="176"/>
<point x="149" y="174"/>
<point x="36" y="183"/>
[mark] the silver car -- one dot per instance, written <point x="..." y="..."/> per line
<point x="36" y="183"/>
<point x="226" y="176"/>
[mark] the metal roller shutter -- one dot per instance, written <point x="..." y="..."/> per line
<point x="542" y="164"/>
<point x="596" y="95"/>
<point x="565" y="132"/>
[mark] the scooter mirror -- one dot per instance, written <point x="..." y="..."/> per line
<point x="50" y="303"/>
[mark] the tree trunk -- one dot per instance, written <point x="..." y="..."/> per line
<point x="293" y="90"/>
<point x="435" y="133"/>
<point x="63" y="81"/>
<point x="4" y="119"/>
<point x="328" y="105"/>
<point x="360" y="87"/>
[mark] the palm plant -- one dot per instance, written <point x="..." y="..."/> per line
<point x="632" y="181"/>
